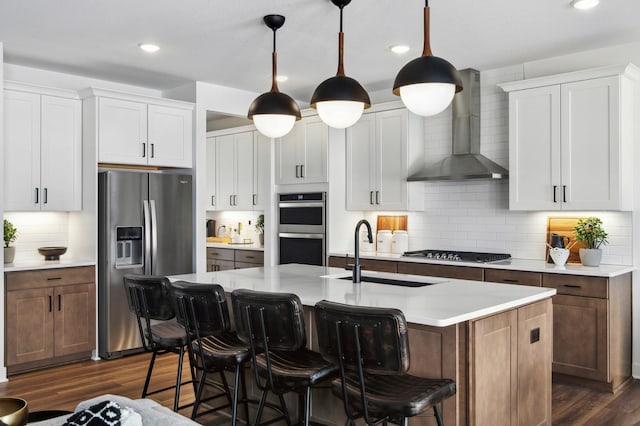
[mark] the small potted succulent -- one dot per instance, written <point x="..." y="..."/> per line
<point x="592" y="235"/>
<point x="10" y="235"/>
<point x="260" y="228"/>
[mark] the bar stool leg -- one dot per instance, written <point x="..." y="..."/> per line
<point x="436" y="412"/>
<point x="307" y="405"/>
<point x="196" y="403"/>
<point x="244" y="393"/>
<point x="176" y="398"/>
<point x="149" y="371"/>
<point x="234" y="404"/>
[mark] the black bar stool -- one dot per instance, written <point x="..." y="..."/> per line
<point x="202" y="309"/>
<point x="372" y="349"/>
<point x="149" y="299"/>
<point x="273" y="323"/>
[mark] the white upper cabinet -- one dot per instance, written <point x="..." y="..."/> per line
<point x="301" y="155"/>
<point x="571" y="140"/>
<point x="42" y="149"/>
<point x="377" y="157"/>
<point x="236" y="170"/>
<point x="141" y="130"/>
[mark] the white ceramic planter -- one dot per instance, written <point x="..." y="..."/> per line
<point x="590" y="257"/>
<point x="9" y="254"/>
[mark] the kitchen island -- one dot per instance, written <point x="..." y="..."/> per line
<point x="494" y="340"/>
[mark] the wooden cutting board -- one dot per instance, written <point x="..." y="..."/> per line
<point x="391" y="223"/>
<point x="564" y="226"/>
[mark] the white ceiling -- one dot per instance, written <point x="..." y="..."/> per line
<point x="226" y="42"/>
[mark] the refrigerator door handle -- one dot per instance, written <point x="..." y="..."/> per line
<point x="147" y="237"/>
<point x="154" y="237"/>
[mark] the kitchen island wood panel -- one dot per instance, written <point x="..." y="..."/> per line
<point x="446" y="271"/>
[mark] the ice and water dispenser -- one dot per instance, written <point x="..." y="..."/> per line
<point x="129" y="245"/>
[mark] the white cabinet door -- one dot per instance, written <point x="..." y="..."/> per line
<point x="591" y="144"/>
<point x="534" y="149"/>
<point x="122" y="131"/>
<point x="261" y="160"/>
<point x="170" y="136"/>
<point x="61" y="154"/>
<point x="211" y="173"/>
<point x="244" y="171"/>
<point x="377" y="162"/>
<point x="391" y="160"/>
<point x="225" y="171"/>
<point x="301" y="155"/>
<point x="361" y="160"/>
<point x="313" y="164"/>
<point x="21" y="151"/>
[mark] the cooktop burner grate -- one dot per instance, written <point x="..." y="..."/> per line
<point x="459" y="256"/>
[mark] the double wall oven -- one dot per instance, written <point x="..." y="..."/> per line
<point x="302" y="228"/>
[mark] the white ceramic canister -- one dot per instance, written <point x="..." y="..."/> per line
<point x="399" y="242"/>
<point x="365" y="245"/>
<point x="383" y="241"/>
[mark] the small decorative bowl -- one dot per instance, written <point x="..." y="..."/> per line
<point x="13" y="411"/>
<point x="52" y="253"/>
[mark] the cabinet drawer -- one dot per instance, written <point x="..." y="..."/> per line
<point x="377" y="265"/>
<point x="221" y="254"/>
<point x="446" y="271"/>
<point x="250" y="256"/>
<point x="244" y="265"/>
<point x="49" y="277"/>
<point x="513" y="277"/>
<point x="575" y="285"/>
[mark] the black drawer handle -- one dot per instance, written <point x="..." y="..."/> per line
<point x="54" y="278"/>
<point x="572" y="286"/>
<point x="249" y="257"/>
<point x="59" y="302"/>
<point x="50" y="304"/>
<point x="509" y="280"/>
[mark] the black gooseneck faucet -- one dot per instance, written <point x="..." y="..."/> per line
<point x="356" y="255"/>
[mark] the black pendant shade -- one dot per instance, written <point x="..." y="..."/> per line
<point x="427" y="69"/>
<point x="274" y="102"/>
<point x="340" y="88"/>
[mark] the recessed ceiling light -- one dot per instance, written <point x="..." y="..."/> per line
<point x="149" y="48"/>
<point x="281" y="78"/>
<point x="584" y="4"/>
<point x="400" y="49"/>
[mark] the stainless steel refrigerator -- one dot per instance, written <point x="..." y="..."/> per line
<point x="145" y="226"/>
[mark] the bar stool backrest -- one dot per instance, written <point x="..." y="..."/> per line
<point x="377" y="337"/>
<point x="201" y="308"/>
<point x="281" y="314"/>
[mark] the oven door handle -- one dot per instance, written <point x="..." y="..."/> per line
<point x="294" y="205"/>
<point x="305" y="236"/>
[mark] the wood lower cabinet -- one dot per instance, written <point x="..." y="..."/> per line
<point x="50" y="317"/>
<point x="223" y="259"/>
<point x="592" y="329"/>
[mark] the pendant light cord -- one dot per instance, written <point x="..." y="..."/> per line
<point x="426" y="50"/>
<point x="340" y="72"/>
<point x="274" y="65"/>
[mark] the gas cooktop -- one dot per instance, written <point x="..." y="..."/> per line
<point x="459" y="256"/>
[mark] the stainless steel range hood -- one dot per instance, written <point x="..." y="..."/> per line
<point x="465" y="162"/>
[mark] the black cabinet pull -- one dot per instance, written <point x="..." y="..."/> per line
<point x="511" y="281"/>
<point x="50" y="304"/>
<point x="213" y="200"/>
<point x="153" y="151"/>
<point x="36" y="192"/>
<point x="554" y="193"/>
<point x="377" y="197"/>
<point x="59" y="302"/>
<point x="302" y="170"/>
<point x="564" y="193"/>
<point x="144" y="149"/>
<point x="297" y="171"/>
<point x="255" y="197"/>
<point x="371" y="197"/>
<point x="572" y="286"/>
<point x="45" y="196"/>
<point x="54" y="278"/>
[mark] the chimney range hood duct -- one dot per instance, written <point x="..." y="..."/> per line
<point x="465" y="162"/>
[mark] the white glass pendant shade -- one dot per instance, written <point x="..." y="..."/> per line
<point x="427" y="99"/>
<point x="340" y="114"/>
<point x="274" y="125"/>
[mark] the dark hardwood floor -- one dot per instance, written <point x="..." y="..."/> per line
<point x="63" y="387"/>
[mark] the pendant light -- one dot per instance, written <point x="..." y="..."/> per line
<point x="428" y="83"/>
<point x="274" y="113"/>
<point x="340" y="100"/>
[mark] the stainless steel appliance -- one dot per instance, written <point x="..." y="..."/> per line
<point x="302" y="228"/>
<point x="145" y="226"/>
<point x="459" y="256"/>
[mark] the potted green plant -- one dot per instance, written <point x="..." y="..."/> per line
<point x="591" y="234"/>
<point x="260" y="228"/>
<point x="10" y="235"/>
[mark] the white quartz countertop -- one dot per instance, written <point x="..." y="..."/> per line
<point x="511" y="264"/>
<point x="27" y="265"/>
<point x="445" y="302"/>
<point x="237" y="246"/>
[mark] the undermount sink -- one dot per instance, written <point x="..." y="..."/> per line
<point x="390" y="281"/>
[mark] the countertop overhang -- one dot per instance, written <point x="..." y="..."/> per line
<point x="445" y="302"/>
<point x="28" y="265"/>
<point x="530" y="265"/>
